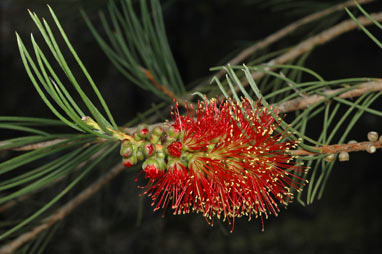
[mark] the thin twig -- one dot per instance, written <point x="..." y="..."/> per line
<point x="39" y="145"/>
<point x="319" y="39"/>
<point x="16" y="201"/>
<point x="286" y="31"/>
<point x="66" y="209"/>
<point x="333" y="149"/>
<point x="288" y="106"/>
<point x="162" y="88"/>
<point x="305" y="102"/>
<point x="63" y="211"/>
<point x="293" y="87"/>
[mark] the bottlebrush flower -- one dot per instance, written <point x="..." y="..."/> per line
<point x="175" y="149"/>
<point x="226" y="163"/>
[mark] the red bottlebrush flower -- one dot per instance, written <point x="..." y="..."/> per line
<point x="177" y="172"/>
<point x="152" y="169"/>
<point x="152" y="172"/>
<point x="143" y="132"/>
<point x="230" y="166"/>
<point x="175" y="149"/>
<point x="129" y="162"/>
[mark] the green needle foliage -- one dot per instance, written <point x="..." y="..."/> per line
<point x="49" y="157"/>
<point x="367" y="32"/>
<point x="300" y="123"/>
<point x="58" y="156"/>
<point x="44" y="77"/>
<point x="139" y="44"/>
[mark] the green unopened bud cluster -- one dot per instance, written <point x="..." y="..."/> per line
<point x="142" y="146"/>
<point x="150" y="146"/>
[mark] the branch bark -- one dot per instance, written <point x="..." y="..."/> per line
<point x="287" y="30"/>
<point x="333" y="149"/>
<point x="63" y="211"/>
<point x="66" y="209"/>
<point x="288" y="106"/>
<point x="305" y="102"/>
<point x="162" y="88"/>
<point x="16" y="201"/>
<point x="316" y="40"/>
<point x="292" y="105"/>
<point x="284" y="32"/>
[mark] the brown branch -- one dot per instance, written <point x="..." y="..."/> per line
<point x="319" y="39"/>
<point x="333" y="149"/>
<point x="39" y="145"/>
<point x="284" y="32"/>
<point x="305" y="102"/>
<point x="162" y="88"/>
<point x="45" y="144"/>
<point x="16" y="201"/>
<point x="288" y="106"/>
<point x="63" y="211"/>
<point x="295" y="104"/>
<point x="287" y="30"/>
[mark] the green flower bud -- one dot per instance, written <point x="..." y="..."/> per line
<point x="140" y="156"/>
<point x="160" y="154"/>
<point x="173" y="132"/>
<point x="126" y="148"/>
<point x="136" y="136"/>
<point x="150" y="161"/>
<point x="142" y="130"/>
<point x="129" y="162"/>
<point x="158" y="131"/>
<point x="162" y="163"/>
<point x="154" y="139"/>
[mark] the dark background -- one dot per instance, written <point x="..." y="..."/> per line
<point x="201" y="33"/>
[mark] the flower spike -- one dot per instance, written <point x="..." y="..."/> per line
<point x="224" y="162"/>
